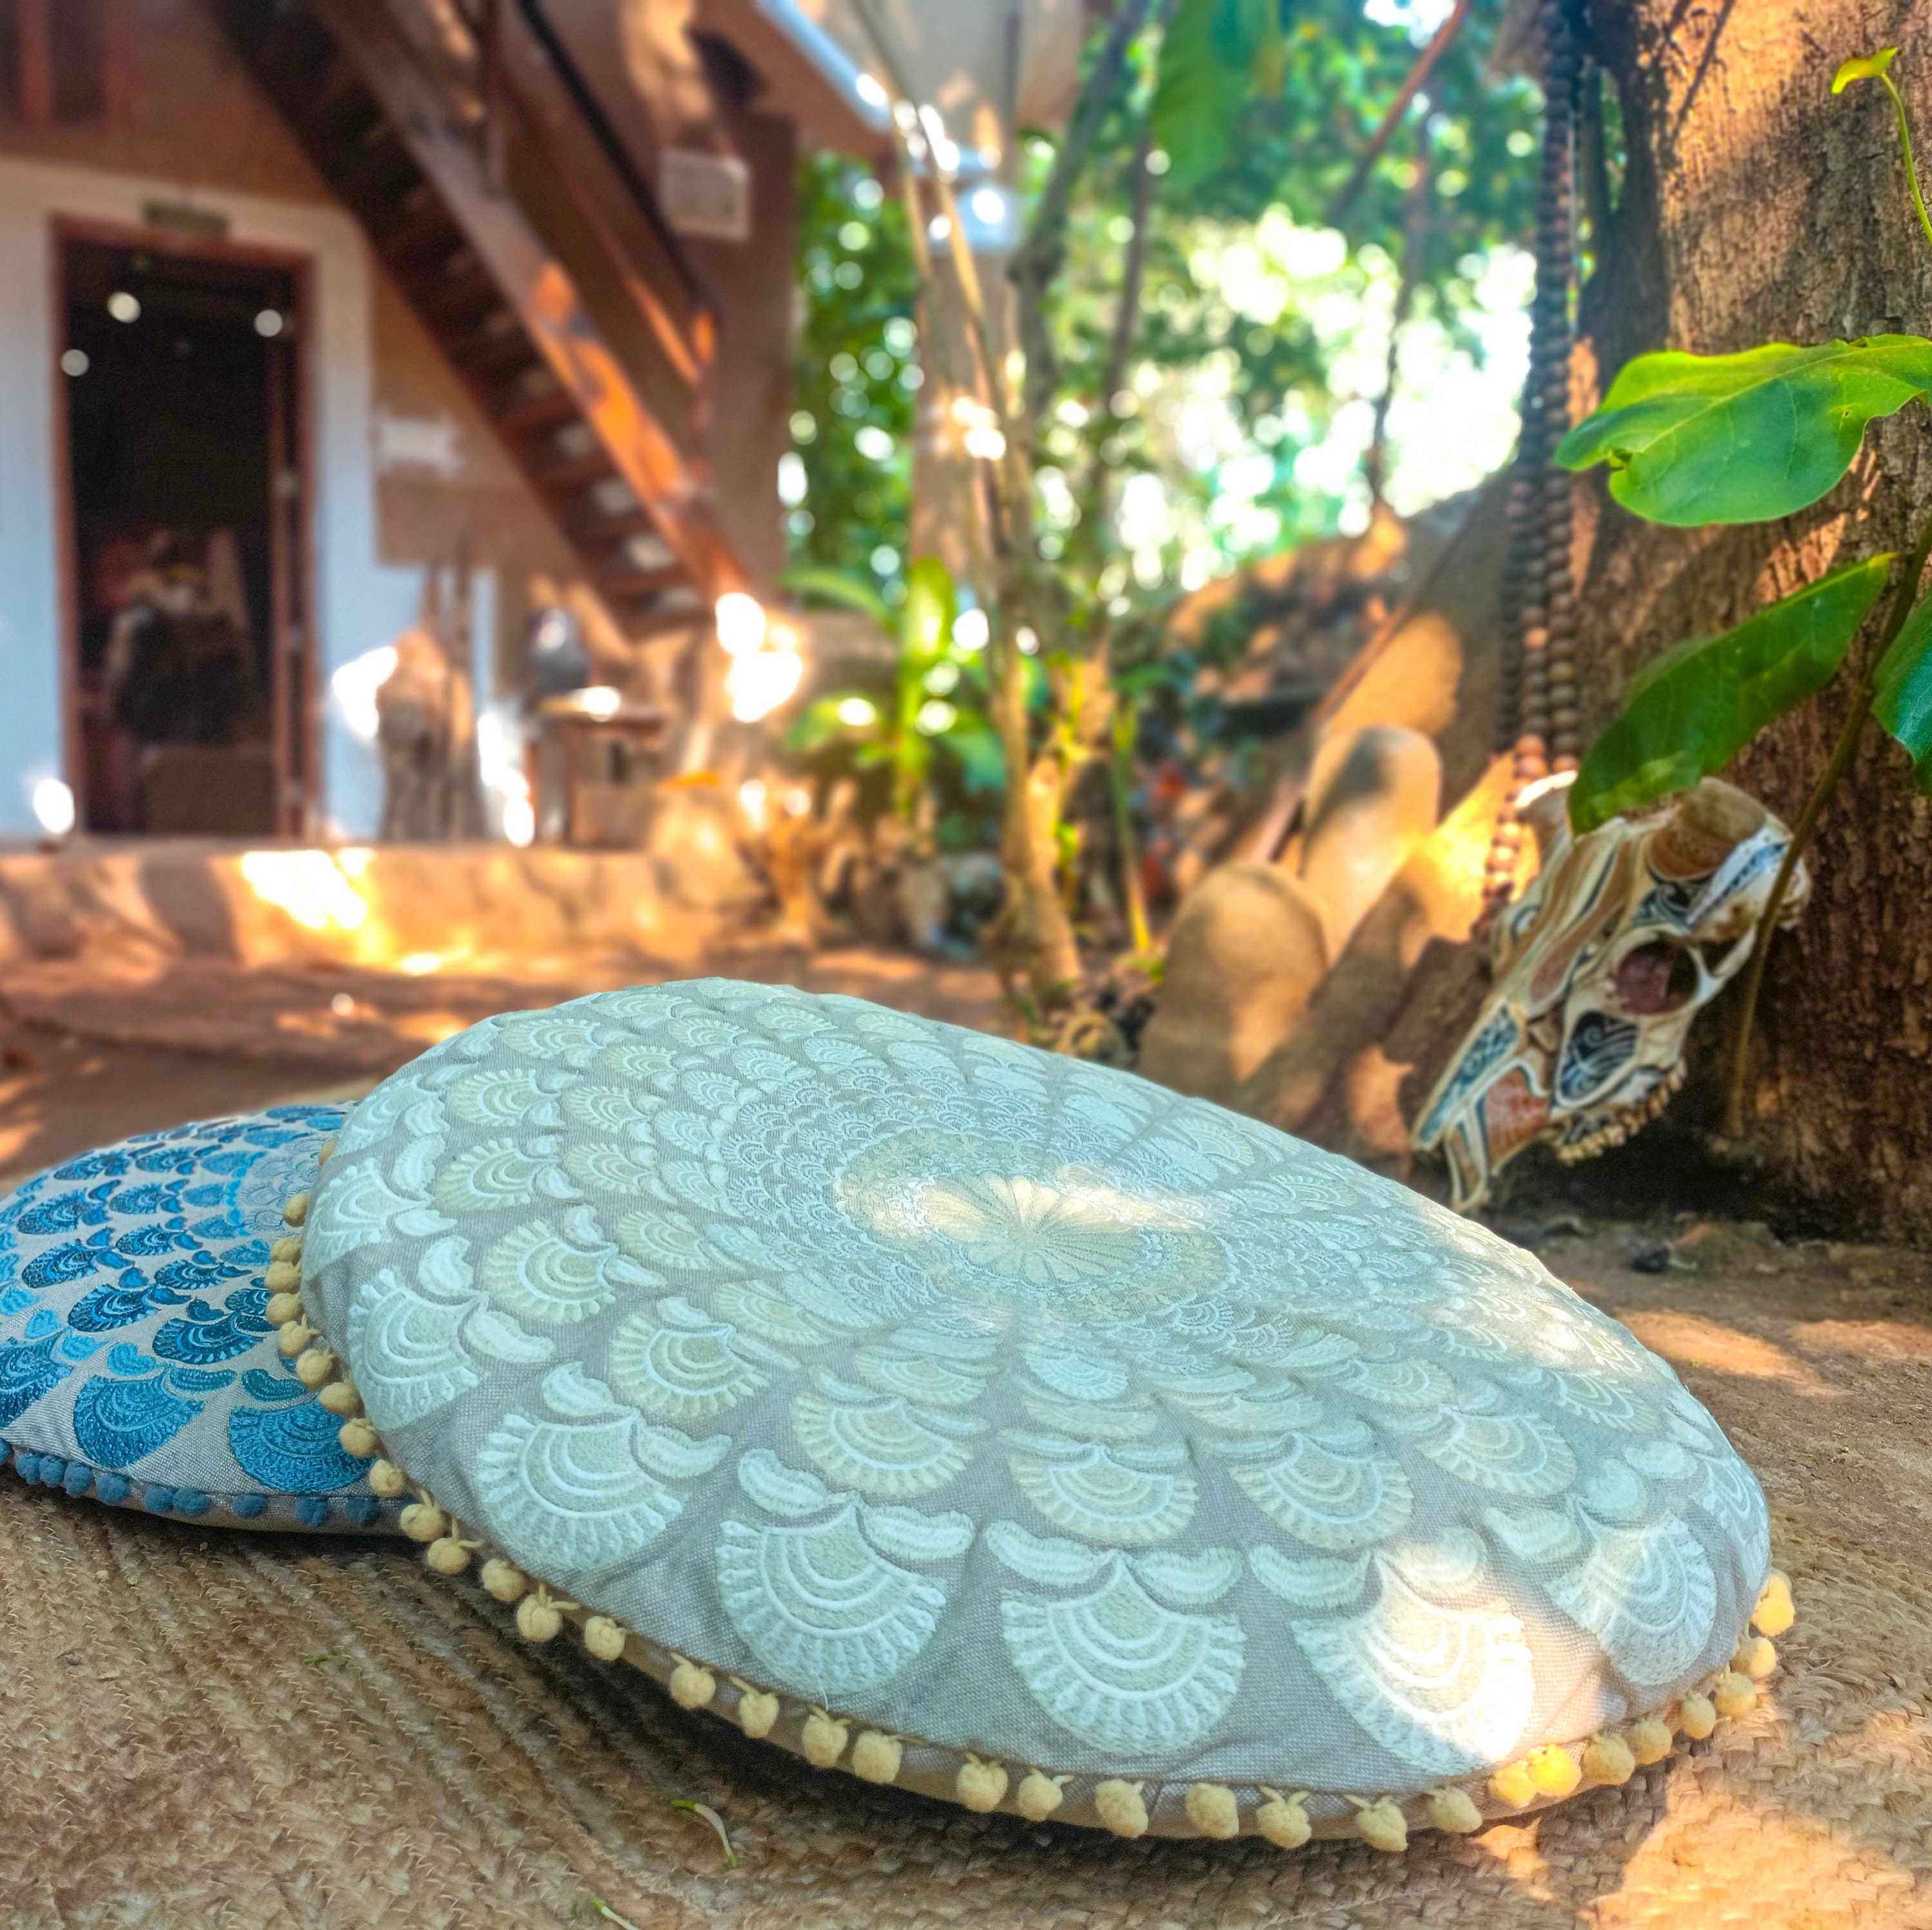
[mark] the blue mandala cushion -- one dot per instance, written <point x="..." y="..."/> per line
<point x="138" y="1363"/>
<point x="1009" y="1429"/>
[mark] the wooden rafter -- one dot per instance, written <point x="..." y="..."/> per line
<point x="546" y="302"/>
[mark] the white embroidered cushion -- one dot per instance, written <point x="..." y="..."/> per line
<point x="1014" y="1430"/>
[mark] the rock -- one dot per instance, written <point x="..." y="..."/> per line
<point x="925" y="904"/>
<point x="1245" y="956"/>
<point x="1372" y="797"/>
<point x="1337" y="1079"/>
<point x="693" y="838"/>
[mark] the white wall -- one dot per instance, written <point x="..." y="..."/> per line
<point x="361" y="603"/>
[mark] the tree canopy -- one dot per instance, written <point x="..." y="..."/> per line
<point x="1252" y="118"/>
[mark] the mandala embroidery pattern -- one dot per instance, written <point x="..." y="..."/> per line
<point x="980" y="1393"/>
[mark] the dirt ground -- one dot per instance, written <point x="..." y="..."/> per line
<point x="1816" y="1357"/>
<point x="86" y="1058"/>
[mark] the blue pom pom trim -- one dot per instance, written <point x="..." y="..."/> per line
<point x="117" y="1490"/>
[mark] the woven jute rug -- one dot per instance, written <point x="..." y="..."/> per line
<point x="202" y="1729"/>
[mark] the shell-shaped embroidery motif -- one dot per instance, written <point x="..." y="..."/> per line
<point x="1410" y="1383"/>
<point x="1331" y="1490"/>
<point x="1508" y="1454"/>
<point x="499" y="1172"/>
<point x="884" y="1446"/>
<point x="820" y="1608"/>
<point x="1598" y="1400"/>
<point x="365" y="1208"/>
<point x="1078" y="1369"/>
<point x="600" y="1167"/>
<point x="407" y="1349"/>
<point x="1260" y="1410"/>
<point x="1731" y="1497"/>
<point x="562" y="1496"/>
<point x="686" y="1367"/>
<point x="611" y="1109"/>
<point x="372" y="1120"/>
<point x="767" y="1315"/>
<point x="1647" y="1594"/>
<point x="920" y="1378"/>
<point x="1447" y="1688"/>
<point x="1119" y="1670"/>
<point x="544" y="1272"/>
<point x="1123" y="1496"/>
<point x="516" y="1095"/>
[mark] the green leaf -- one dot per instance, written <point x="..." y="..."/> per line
<point x="983" y="761"/>
<point x="1693" y="712"/>
<point x="1866" y="67"/>
<point x="819" y="724"/>
<point x="836" y="585"/>
<point x="1744" y="438"/>
<point x="1214" y="56"/>
<point x="1903" y="681"/>
<point x="926" y="617"/>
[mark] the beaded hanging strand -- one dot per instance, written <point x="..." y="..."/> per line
<point x="1537" y="714"/>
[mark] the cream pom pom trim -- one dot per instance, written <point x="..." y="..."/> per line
<point x="985" y="1784"/>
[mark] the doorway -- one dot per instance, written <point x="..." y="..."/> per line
<point x="189" y="695"/>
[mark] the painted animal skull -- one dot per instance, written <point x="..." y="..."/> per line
<point x="1599" y="968"/>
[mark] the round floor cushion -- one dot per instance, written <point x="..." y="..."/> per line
<point x="1013" y="1430"/>
<point x="139" y="1364"/>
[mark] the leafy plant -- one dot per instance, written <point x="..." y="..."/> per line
<point x="1194" y="121"/>
<point x="855" y="376"/>
<point x="921" y="717"/>
<point x="1692" y="709"/>
<point x="1692" y="439"/>
<point x="1697" y="440"/>
<point x="1215" y="53"/>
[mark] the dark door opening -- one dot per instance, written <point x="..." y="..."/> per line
<point x="191" y="710"/>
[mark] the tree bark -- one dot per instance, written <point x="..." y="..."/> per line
<point x="1755" y="207"/>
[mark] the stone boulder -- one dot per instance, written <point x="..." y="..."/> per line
<point x="1244" y="956"/>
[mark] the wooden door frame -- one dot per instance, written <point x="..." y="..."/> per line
<point x="297" y="804"/>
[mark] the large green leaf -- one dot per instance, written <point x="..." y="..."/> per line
<point x="819" y="723"/>
<point x="1744" y="438"/>
<point x="837" y="586"/>
<point x="926" y="617"/>
<point x="1215" y="55"/>
<point x="1690" y="714"/>
<point x="983" y="760"/>
<point x="1903" y="679"/>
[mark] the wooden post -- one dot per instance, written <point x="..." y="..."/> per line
<point x="490" y="47"/>
<point x="35" y="19"/>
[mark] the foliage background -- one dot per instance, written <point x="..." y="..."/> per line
<point x="1263" y="331"/>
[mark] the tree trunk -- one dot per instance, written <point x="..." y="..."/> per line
<point x="1755" y="207"/>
